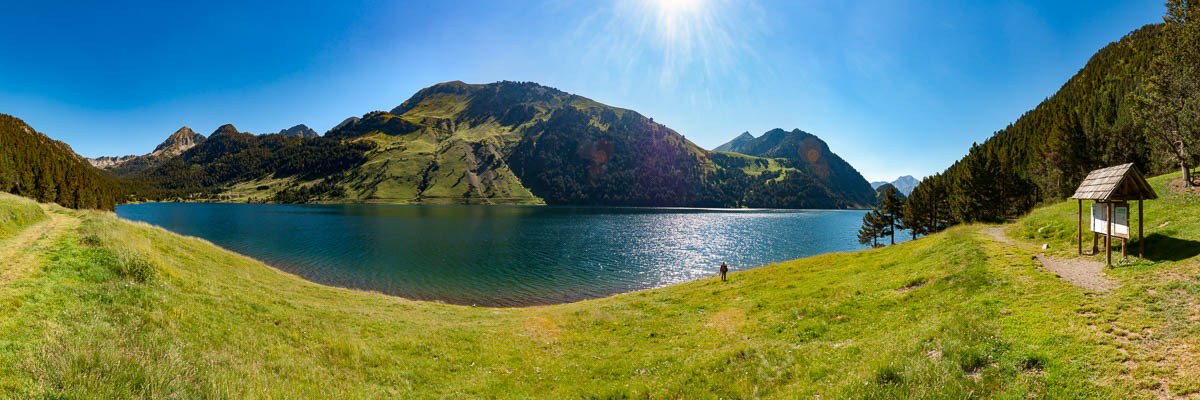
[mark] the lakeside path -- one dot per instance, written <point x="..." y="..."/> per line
<point x="19" y="254"/>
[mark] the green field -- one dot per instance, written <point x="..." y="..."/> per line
<point x="96" y="307"/>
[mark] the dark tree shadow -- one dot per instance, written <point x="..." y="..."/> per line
<point x="1161" y="247"/>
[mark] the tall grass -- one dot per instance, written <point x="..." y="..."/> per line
<point x="17" y="213"/>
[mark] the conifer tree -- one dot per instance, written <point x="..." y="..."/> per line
<point x="1170" y="108"/>
<point x="872" y="228"/>
<point x="891" y="206"/>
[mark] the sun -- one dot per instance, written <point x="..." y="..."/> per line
<point x="683" y="42"/>
<point x="676" y="7"/>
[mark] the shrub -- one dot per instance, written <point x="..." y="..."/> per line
<point x="972" y="360"/>
<point x="914" y="282"/>
<point x="132" y="266"/>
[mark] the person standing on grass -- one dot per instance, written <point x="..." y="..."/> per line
<point x="724" y="270"/>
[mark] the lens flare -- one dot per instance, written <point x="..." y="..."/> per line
<point x="684" y="42"/>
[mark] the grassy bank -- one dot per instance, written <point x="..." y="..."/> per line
<point x="16" y="214"/>
<point x="119" y="309"/>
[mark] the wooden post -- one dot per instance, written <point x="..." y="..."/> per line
<point x="1141" y="245"/>
<point x="1095" y="236"/>
<point x="1079" y="224"/>
<point x="1108" y="235"/>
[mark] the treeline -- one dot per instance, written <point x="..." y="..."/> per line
<point x="35" y="166"/>
<point x="229" y="157"/>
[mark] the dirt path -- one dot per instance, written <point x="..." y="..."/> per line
<point x="997" y="233"/>
<point x="1081" y="272"/>
<point x="19" y="254"/>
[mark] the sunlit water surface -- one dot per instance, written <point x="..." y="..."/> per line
<point x="502" y="255"/>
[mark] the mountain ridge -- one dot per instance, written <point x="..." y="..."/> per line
<point x="521" y="143"/>
<point x="178" y="142"/>
<point x="300" y="131"/>
<point x="805" y="148"/>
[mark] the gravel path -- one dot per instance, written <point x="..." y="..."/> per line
<point x="1081" y="272"/>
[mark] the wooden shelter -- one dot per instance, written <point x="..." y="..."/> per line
<point x="1112" y="188"/>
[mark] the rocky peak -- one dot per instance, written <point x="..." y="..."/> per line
<point x="183" y="139"/>
<point x="301" y="131"/>
<point x="225" y="129"/>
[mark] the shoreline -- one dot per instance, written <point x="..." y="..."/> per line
<point x="334" y="203"/>
<point x="285" y="270"/>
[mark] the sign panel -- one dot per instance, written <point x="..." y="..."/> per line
<point x="1120" y="221"/>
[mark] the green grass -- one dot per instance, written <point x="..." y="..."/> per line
<point x="17" y="213"/>
<point x="120" y="309"/>
<point x="755" y="170"/>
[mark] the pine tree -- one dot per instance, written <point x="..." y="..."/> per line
<point x="926" y="208"/>
<point x="872" y="229"/>
<point x="891" y="206"/>
<point x="1170" y="108"/>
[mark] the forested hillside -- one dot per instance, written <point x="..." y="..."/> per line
<point x="232" y="156"/>
<point x="1091" y="122"/>
<point x="35" y="166"/>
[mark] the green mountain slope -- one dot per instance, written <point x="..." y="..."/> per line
<point x="523" y="143"/>
<point x="33" y="165"/>
<point x="814" y="157"/>
<point x="109" y="308"/>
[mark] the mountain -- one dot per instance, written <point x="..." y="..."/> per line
<point x="229" y="157"/>
<point x="904" y="184"/>
<point x="180" y="141"/>
<point x="35" y="166"/>
<point x="507" y="143"/>
<point x="300" y="131"/>
<point x="881" y="189"/>
<point x="810" y="153"/>
<point x="736" y="143"/>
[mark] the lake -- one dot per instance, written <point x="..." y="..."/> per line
<point x="505" y="255"/>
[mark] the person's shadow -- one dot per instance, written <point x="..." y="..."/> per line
<point x="1161" y="247"/>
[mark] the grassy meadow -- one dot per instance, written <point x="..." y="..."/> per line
<point x="110" y="308"/>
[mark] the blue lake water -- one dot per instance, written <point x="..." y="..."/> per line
<point x="505" y="255"/>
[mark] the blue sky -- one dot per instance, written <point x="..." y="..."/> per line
<point x="894" y="87"/>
